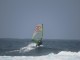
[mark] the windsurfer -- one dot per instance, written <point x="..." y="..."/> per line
<point x="39" y="43"/>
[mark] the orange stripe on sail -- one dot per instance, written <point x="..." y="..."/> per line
<point x="38" y="28"/>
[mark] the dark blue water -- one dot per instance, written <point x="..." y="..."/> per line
<point x="49" y="46"/>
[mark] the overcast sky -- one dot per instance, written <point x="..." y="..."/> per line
<point x="61" y="18"/>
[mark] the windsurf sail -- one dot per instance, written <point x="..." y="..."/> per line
<point x="38" y="34"/>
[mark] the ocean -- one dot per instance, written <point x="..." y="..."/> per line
<point x="52" y="49"/>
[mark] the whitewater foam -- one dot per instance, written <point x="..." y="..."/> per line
<point x="63" y="55"/>
<point x="28" y="48"/>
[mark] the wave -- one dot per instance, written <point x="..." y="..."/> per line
<point x="28" y="48"/>
<point x="63" y="55"/>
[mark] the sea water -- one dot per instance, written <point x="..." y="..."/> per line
<point x="24" y="49"/>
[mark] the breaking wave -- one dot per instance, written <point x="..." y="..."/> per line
<point x="63" y="55"/>
<point x="28" y="48"/>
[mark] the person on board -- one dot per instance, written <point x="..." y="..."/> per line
<point x="39" y="43"/>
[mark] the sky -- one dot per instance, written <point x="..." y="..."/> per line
<point x="60" y="18"/>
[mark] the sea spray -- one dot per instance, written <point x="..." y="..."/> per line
<point x="28" y="48"/>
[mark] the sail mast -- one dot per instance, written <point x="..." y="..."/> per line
<point x="42" y="31"/>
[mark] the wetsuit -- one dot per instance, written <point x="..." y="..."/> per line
<point x="39" y="43"/>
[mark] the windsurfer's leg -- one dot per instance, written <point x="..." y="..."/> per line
<point x="36" y="45"/>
